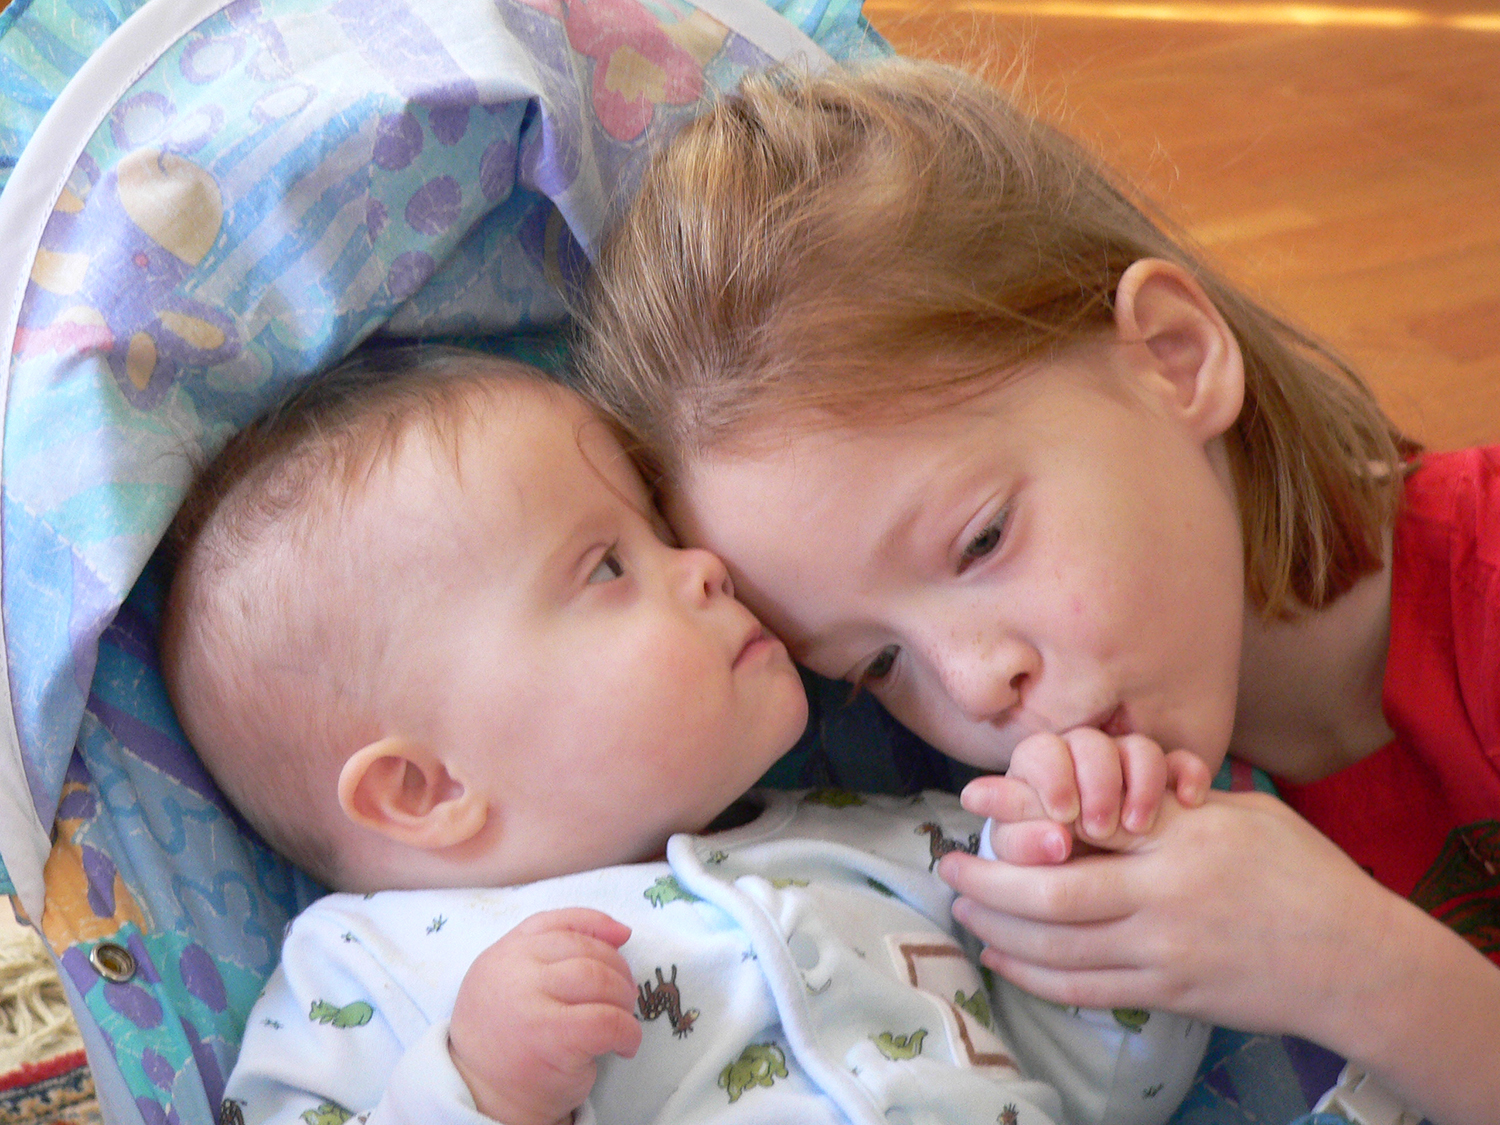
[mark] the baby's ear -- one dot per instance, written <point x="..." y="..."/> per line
<point x="403" y="790"/>
<point x="1194" y="355"/>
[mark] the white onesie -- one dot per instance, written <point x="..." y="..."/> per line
<point x="803" y="967"/>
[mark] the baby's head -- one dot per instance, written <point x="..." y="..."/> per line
<point x="852" y="249"/>
<point x="427" y="630"/>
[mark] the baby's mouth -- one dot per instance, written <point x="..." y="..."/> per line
<point x="753" y="644"/>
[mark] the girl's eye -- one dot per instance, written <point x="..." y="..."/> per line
<point x="608" y="570"/>
<point x="878" y="668"/>
<point x="987" y="540"/>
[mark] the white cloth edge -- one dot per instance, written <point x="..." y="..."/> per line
<point x="30" y="195"/>
<point x="768" y="29"/>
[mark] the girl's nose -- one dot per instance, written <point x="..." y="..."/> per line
<point x="705" y="574"/>
<point x="988" y="680"/>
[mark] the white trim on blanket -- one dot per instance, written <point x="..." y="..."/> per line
<point x="768" y="29"/>
<point x="27" y="202"/>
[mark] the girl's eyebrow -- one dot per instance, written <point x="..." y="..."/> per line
<point x="920" y="525"/>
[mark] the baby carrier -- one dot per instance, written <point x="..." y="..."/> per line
<point x="204" y="203"/>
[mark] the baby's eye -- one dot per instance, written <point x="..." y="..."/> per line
<point x="878" y="668"/>
<point x="987" y="540"/>
<point x="608" y="570"/>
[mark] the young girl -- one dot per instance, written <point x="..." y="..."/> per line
<point x="975" y="434"/>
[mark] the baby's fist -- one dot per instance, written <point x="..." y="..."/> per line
<point x="536" y="1009"/>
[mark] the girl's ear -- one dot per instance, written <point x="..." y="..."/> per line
<point x="1192" y="349"/>
<point x="404" y="791"/>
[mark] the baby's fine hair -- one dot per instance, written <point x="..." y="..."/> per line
<point x="859" y="246"/>
<point x="254" y="547"/>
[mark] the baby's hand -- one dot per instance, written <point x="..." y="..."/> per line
<point x="1084" y="783"/>
<point x="536" y="1009"/>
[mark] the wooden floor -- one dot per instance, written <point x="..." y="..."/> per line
<point x="1341" y="160"/>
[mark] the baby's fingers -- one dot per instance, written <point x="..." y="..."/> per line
<point x="1100" y="765"/>
<point x="589" y="1030"/>
<point x="1144" y="768"/>
<point x="1006" y="798"/>
<point x="591" y="978"/>
<point x="1045" y="764"/>
<point x="580" y="920"/>
<point x="1188" y="776"/>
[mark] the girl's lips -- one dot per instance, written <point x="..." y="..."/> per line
<point x="1114" y="723"/>
<point x="1117" y="725"/>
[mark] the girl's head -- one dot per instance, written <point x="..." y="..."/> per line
<point x="859" y="247"/>
<point x="881" y="335"/>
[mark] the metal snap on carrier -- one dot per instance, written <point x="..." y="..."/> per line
<point x="113" y="962"/>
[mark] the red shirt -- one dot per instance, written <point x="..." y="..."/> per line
<point x="1422" y="814"/>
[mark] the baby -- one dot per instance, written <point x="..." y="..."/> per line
<point x="430" y="636"/>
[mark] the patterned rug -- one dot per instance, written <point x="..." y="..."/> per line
<point x="44" y="1079"/>
<point x="57" y="1091"/>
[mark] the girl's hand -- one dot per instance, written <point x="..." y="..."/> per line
<point x="1238" y="913"/>
<point x="1241" y="913"/>
<point x="534" y="1011"/>
<point x="1104" y="790"/>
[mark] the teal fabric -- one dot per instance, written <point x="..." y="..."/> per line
<point x="42" y="45"/>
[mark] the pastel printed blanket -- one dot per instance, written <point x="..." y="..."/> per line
<point x="218" y="200"/>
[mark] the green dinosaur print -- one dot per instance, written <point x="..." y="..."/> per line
<point x="977" y="1005"/>
<point x="897" y="1047"/>
<point x="667" y="889"/>
<point x="1009" y="1116"/>
<point x="1132" y="1020"/>
<point x="356" y="1014"/>
<point x="436" y="924"/>
<point x="329" y="1113"/>
<point x="878" y="886"/>
<point x="715" y="857"/>
<point x="759" y="1064"/>
<point x="833" y="797"/>
<point x="781" y="883"/>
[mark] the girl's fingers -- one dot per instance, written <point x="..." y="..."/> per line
<point x="1030" y="843"/>
<point x="1102" y="988"/>
<point x="1078" y="948"/>
<point x="1085" y="890"/>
